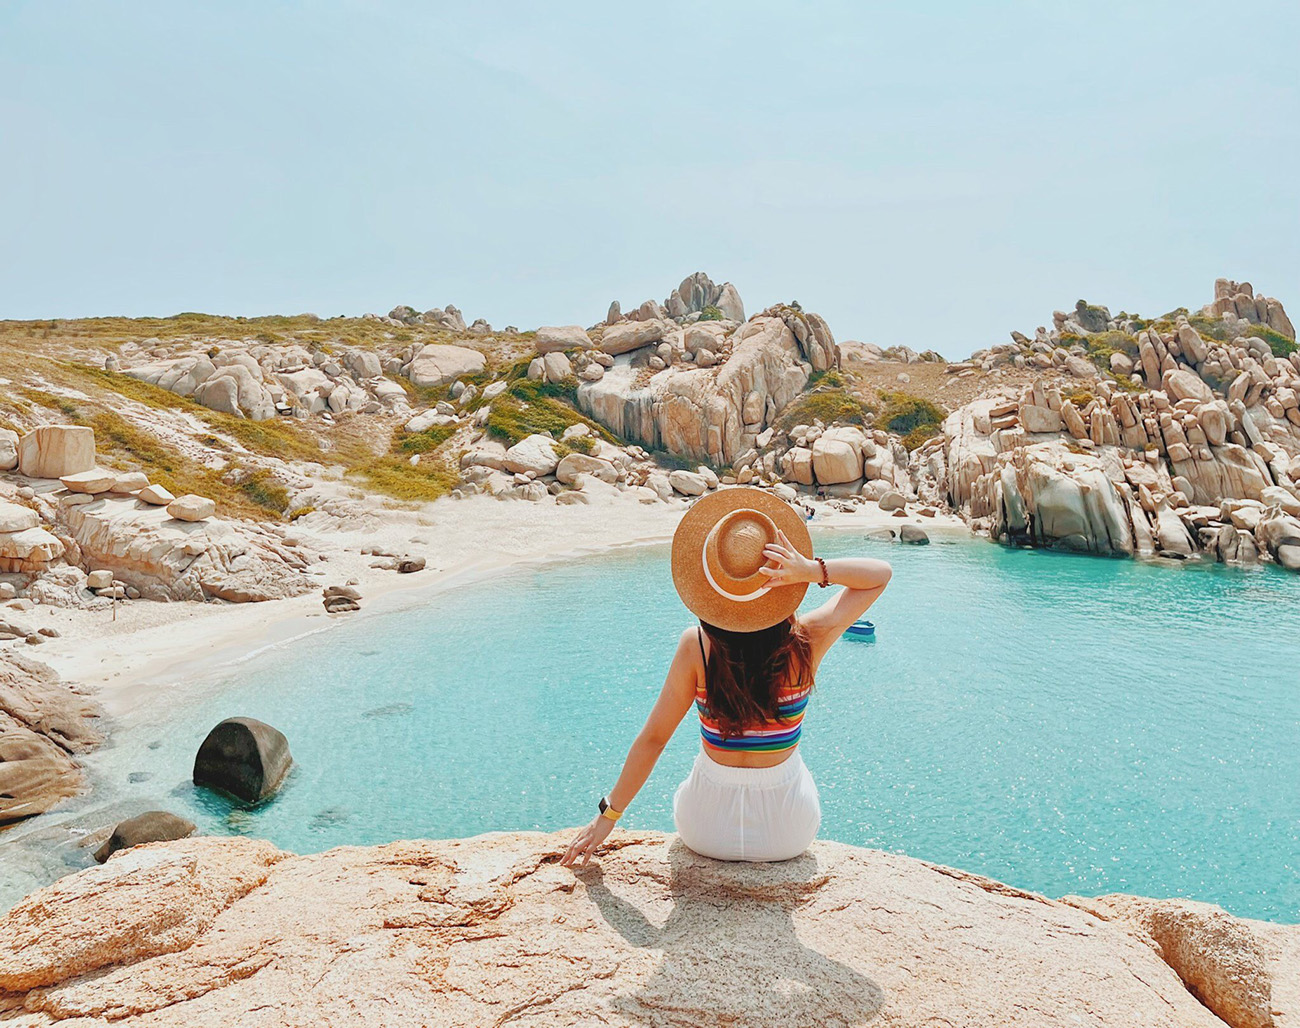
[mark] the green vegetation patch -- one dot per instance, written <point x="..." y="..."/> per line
<point x="828" y="406"/>
<point x="1277" y="342"/>
<point x="528" y="407"/>
<point x="919" y="435"/>
<point x="394" y="475"/>
<point x="1100" y="346"/>
<point x="711" y="313"/>
<point x="905" y="413"/>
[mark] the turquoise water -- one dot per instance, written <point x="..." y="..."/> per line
<point x="1065" y="724"/>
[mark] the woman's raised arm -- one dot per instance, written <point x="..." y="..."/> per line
<point x="674" y="701"/>
<point x="863" y="579"/>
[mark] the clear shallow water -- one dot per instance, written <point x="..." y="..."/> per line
<point x="1065" y="724"/>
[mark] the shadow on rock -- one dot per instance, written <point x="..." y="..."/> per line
<point x="731" y="954"/>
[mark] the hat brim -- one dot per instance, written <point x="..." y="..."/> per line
<point x="693" y="585"/>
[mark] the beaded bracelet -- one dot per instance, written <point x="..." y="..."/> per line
<point x="826" y="578"/>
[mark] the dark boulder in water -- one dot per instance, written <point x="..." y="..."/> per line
<point x="244" y="758"/>
<point x="152" y="826"/>
<point x="914" y="535"/>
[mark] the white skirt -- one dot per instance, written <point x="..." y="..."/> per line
<point x="747" y="813"/>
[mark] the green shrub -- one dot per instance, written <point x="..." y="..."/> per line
<point x="1277" y="342"/>
<point x="394" y="475"/>
<point x="424" y="442"/>
<point x="528" y="407"/>
<point x="831" y="378"/>
<point x="711" y="313"/>
<point x="265" y="491"/>
<point x="1101" y="345"/>
<point x="1214" y="328"/>
<point x="827" y="406"/>
<point x="918" y="435"/>
<point x="905" y="413"/>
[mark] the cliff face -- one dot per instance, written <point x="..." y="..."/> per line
<point x="490" y="931"/>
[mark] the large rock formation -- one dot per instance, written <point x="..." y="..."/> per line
<point x="259" y="382"/>
<point x="698" y="292"/>
<point x="167" y="559"/>
<point x="43" y="724"/>
<point x="52" y="451"/>
<point x="1247" y="972"/>
<point x="1207" y="458"/>
<point x="219" y="932"/>
<point x="710" y="407"/>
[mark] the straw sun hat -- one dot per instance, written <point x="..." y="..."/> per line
<point x="718" y="549"/>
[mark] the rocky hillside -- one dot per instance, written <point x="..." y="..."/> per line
<point x="492" y="931"/>
<point x="1176" y="436"/>
<point x="1110" y="434"/>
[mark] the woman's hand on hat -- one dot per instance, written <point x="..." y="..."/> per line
<point x="790" y="566"/>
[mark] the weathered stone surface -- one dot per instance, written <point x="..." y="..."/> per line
<point x="8" y="449"/>
<point x="1181" y="384"/>
<point x="53" y="451"/>
<point x="14" y="517"/>
<point x="1246" y="972"/>
<point x="96" y="480"/>
<point x="151" y="826"/>
<point x="144" y="903"/>
<point x="553" y="338"/>
<point x="632" y="335"/>
<point x="437" y="364"/>
<point x="1039" y="419"/>
<point x="535" y="453"/>
<point x="43" y="724"/>
<point x="215" y="932"/>
<point x="28" y="550"/>
<point x="244" y="758"/>
<point x="699" y="412"/>
<point x="156" y="495"/>
<point x="688" y="483"/>
<point x="191" y="507"/>
<point x="837" y="457"/>
<point x="167" y="559"/>
<point x="575" y="464"/>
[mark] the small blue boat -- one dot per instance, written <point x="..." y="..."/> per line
<point x="862" y="629"/>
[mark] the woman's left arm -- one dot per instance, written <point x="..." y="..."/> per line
<point x="674" y="701"/>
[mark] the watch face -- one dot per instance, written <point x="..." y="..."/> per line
<point x="603" y="805"/>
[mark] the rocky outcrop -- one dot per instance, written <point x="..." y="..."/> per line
<point x="214" y="932"/>
<point x="436" y="364"/>
<point x="52" y="451"/>
<point x="163" y="558"/>
<point x="260" y="382"/>
<point x="44" y="723"/>
<point x="244" y="758"/>
<point x="1238" y="299"/>
<point x="1247" y="972"/>
<point x="712" y="408"/>
<point x="1206" y="460"/>
<point x="697" y="293"/>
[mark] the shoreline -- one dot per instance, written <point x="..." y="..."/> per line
<point x="133" y="665"/>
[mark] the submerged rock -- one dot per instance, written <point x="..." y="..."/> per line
<point x="214" y="932"/>
<point x="244" y="758"/>
<point x="151" y="826"/>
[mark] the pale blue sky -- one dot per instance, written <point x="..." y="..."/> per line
<point x="928" y="173"/>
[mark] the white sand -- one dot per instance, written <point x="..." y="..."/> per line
<point x="129" y="660"/>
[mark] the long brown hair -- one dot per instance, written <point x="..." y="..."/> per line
<point x="746" y="672"/>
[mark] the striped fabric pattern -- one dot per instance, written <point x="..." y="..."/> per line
<point x="766" y="736"/>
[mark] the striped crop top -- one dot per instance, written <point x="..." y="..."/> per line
<point x="763" y="737"/>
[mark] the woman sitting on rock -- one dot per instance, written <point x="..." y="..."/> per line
<point x="748" y="670"/>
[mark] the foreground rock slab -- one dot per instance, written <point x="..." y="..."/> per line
<point x="490" y="931"/>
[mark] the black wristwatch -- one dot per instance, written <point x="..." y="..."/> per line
<point x="607" y="811"/>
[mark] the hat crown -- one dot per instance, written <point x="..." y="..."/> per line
<point x="741" y="543"/>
